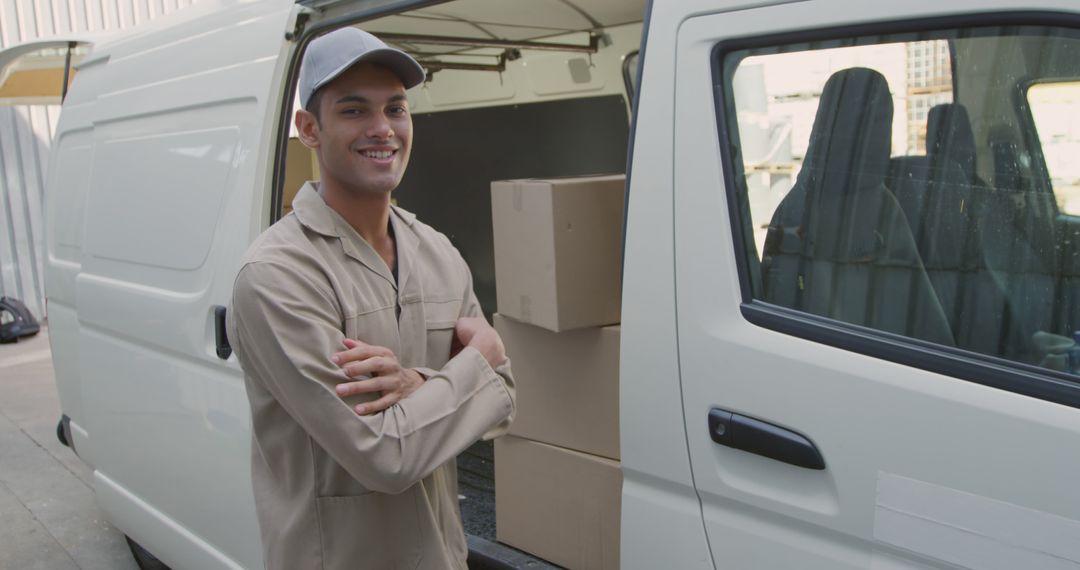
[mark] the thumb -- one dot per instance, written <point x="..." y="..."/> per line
<point x="465" y="328"/>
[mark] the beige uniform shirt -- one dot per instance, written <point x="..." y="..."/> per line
<point x="336" y="490"/>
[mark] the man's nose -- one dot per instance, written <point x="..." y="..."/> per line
<point x="380" y="128"/>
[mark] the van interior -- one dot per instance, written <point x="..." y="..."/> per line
<point x="535" y="91"/>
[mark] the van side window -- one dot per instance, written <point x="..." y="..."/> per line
<point x="920" y="185"/>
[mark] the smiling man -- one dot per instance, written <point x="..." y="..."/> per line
<point x="368" y="364"/>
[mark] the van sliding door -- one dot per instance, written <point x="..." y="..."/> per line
<point x="179" y="131"/>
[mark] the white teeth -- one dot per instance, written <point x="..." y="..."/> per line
<point x="378" y="153"/>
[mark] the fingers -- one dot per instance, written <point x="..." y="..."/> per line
<point x="358" y="351"/>
<point x="377" y="384"/>
<point x="377" y="406"/>
<point x="490" y="345"/>
<point x="373" y="366"/>
<point x="380" y="372"/>
<point x="466" y="328"/>
<point x="477" y="333"/>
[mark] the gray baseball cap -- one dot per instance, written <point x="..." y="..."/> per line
<point x="329" y="56"/>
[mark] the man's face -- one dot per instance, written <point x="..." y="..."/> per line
<point x="363" y="134"/>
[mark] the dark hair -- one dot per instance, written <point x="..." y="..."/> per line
<point x="313" y="103"/>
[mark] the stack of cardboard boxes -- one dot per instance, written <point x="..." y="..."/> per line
<point x="558" y="259"/>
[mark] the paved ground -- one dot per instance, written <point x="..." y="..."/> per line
<point x="48" y="517"/>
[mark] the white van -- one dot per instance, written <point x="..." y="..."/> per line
<point x="851" y="280"/>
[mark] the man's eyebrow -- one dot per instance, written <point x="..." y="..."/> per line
<point x="364" y="100"/>
<point x="352" y="99"/>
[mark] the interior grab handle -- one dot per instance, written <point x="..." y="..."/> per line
<point x="762" y="438"/>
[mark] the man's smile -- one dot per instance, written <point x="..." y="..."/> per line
<point x="379" y="154"/>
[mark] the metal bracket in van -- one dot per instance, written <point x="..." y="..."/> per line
<point x="592" y="47"/>
<point x="298" y="26"/>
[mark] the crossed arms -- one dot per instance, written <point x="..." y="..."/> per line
<point x="284" y="324"/>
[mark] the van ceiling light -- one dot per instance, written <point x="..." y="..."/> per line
<point x="593" y="47"/>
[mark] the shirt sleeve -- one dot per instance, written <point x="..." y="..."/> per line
<point x="286" y="324"/>
<point x="471" y="308"/>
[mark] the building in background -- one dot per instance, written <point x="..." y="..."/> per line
<point x="28" y="119"/>
<point x="929" y="83"/>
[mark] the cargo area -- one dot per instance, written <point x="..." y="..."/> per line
<point x="520" y="137"/>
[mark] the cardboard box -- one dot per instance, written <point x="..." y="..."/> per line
<point x="301" y="165"/>
<point x="567" y="385"/>
<point x="558" y="250"/>
<point x="558" y="504"/>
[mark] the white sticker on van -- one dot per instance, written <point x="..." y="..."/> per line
<point x="971" y="531"/>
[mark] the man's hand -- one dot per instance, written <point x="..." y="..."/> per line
<point x="477" y="333"/>
<point x="379" y="371"/>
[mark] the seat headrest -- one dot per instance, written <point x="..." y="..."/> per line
<point x="852" y="135"/>
<point x="949" y="137"/>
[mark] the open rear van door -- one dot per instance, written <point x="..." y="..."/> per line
<point x="35" y="73"/>
<point x="40" y="71"/>
<point x="876" y="281"/>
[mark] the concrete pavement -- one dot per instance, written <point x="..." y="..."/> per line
<point x="48" y="517"/>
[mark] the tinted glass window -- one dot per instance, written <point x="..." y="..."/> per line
<point x="900" y="183"/>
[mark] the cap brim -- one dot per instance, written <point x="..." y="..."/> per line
<point x="402" y="64"/>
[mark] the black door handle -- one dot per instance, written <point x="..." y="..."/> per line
<point x="221" y="338"/>
<point x="762" y="438"/>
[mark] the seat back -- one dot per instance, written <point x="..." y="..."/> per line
<point x="990" y="284"/>
<point x="839" y="244"/>
<point x="935" y="193"/>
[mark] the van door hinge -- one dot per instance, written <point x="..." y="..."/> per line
<point x="302" y="18"/>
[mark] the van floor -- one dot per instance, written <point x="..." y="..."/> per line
<point x="476" y="489"/>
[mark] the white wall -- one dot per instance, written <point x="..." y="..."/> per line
<point x="26" y="131"/>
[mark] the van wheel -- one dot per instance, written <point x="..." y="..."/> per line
<point x="143" y="558"/>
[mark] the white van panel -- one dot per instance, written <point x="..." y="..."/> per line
<point x="173" y="433"/>
<point x="65" y="208"/>
<point x="468" y="87"/>
<point x="183" y="120"/>
<point x="565" y="75"/>
<point x="175" y="181"/>
<point x="874" y="421"/>
<point x="66" y="220"/>
<point x="657" y="482"/>
<point x="64" y="332"/>
<point x="150" y="526"/>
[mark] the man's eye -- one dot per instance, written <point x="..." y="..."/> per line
<point x="398" y="110"/>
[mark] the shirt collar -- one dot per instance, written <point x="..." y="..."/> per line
<point x="313" y="212"/>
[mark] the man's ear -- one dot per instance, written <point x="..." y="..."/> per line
<point x="307" y="128"/>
